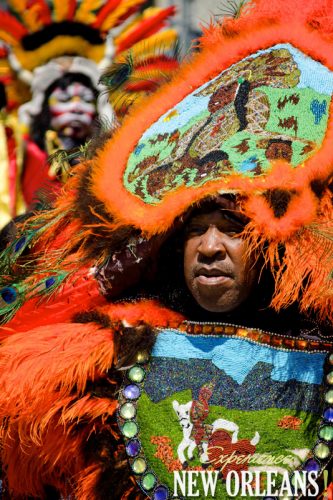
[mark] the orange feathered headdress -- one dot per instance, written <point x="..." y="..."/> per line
<point x="250" y="113"/>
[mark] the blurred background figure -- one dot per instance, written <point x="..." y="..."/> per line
<point x="52" y="57"/>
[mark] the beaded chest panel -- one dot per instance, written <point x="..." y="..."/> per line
<point x="223" y="398"/>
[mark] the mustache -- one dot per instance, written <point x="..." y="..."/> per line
<point x="213" y="270"/>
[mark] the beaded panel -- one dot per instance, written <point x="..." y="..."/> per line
<point x="210" y="392"/>
<point x="272" y="105"/>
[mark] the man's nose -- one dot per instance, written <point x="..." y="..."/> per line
<point x="212" y="244"/>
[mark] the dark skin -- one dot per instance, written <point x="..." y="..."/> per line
<point x="217" y="274"/>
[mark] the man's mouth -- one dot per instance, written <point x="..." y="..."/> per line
<point x="212" y="276"/>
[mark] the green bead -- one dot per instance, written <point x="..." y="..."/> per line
<point x="322" y="451"/>
<point x="329" y="377"/>
<point x="148" y="481"/>
<point x="136" y="374"/>
<point x="329" y="396"/>
<point x="139" y="466"/>
<point x="127" y="411"/>
<point x="130" y="429"/>
<point x="326" y="433"/>
<point x="331" y="359"/>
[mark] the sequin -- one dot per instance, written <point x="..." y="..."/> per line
<point x="133" y="447"/>
<point x="328" y="414"/>
<point x="139" y="466"/>
<point x="127" y="411"/>
<point x="130" y="429"/>
<point x="321" y="450"/>
<point x="161" y="493"/>
<point x="136" y="374"/>
<point x="148" y="481"/>
<point x="131" y="391"/>
<point x="326" y="433"/>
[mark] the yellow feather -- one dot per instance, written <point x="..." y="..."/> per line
<point x="29" y="15"/>
<point x="158" y="43"/>
<point x="60" y="10"/>
<point x="113" y="17"/>
<point x="85" y="13"/>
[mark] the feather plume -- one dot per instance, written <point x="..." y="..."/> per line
<point x="146" y="28"/>
<point x="119" y="14"/>
<point x="9" y="24"/>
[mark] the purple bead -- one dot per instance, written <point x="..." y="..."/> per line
<point x="133" y="447"/>
<point x="328" y="414"/>
<point x="131" y="391"/>
<point x="311" y="466"/>
<point x="161" y="493"/>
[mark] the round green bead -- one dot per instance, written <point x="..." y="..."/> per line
<point x="139" y="466"/>
<point x="326" y="433"/>
<point x="330" y="359"/>
<point x="148" y="481"/>
<point x="322" y="451"/>
<point x="127" y="411"/>
<point x="130" y="429"/>
<point x="329" y="377"/>
<point x="136" y="374"/>
<point x="329" y="396"/>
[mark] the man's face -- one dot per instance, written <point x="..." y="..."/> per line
<point x="216" y="272"/>
<point x="73" y="110"/>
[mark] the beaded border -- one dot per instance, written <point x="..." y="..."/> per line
<point x="126" y="415"/>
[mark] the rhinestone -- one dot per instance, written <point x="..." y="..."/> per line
<point x="133" y="447"/>
<point x="136" y="374"/>
<point x="329" y="377"/>
<point x="139" y="465"/>
<point x="148" y="481"/>
<point x="311" y="466"/>
<point x="131" y="391"/>
<point x="127" y="411"/>
<point x="328" y="414"/>
<point x="329" y="396"/>
<point x="161" y="493"/>
<point x="321" y="450"/>
<point x="326" y="433"/>
<point x="130" y="429"/>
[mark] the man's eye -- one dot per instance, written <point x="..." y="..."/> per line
<point x="195" y="230"/>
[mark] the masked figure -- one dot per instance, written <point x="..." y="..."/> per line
<point x="58" y="52"/>
<point x="186" y="272"/>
